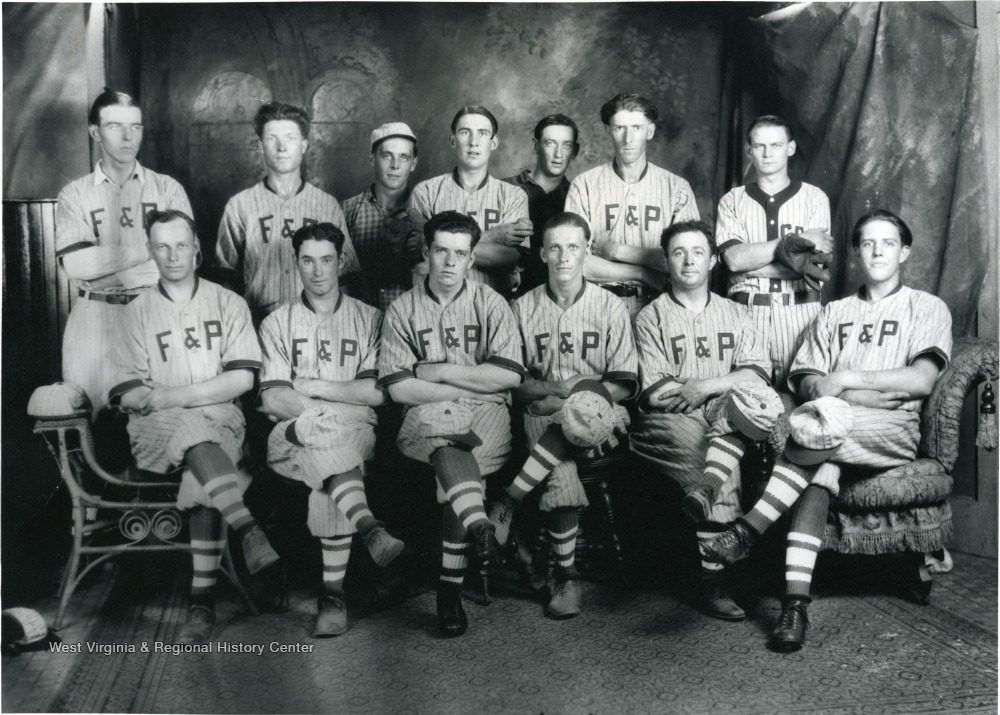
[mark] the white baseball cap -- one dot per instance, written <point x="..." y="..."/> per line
<point x="390" y="130"/>
<point x="818" y="429"/>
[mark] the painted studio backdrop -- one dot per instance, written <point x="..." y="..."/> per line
<point x="883" y="98"/>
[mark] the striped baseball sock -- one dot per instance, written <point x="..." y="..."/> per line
<point x="348" y="492"/>
<point x="805" y="537"/>
<point x="336" y="552"/>
<point x="207" y="542"/>
<point x="787" y="482"/>
<point x="550" y="449"/>
<point x="705" y="532"/>
<point x="722" y="458"/>
<point x="216" y="473"/>
<point x="562" y="524"/>
<point x="454" y="549"/>
<point x="458" y="474"/>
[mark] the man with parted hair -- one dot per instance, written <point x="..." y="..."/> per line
<point x="499" y="209"/>
<point x="187" y="351"/>
<point x="255" y="235"/>
<point x="451" y="352"/>
<point x="555" y="144"/>
<point x="320" y="366"/>
<point x="628" y="202"/>
<point x="705" y="396"/>
<point x="101" y="242"/>
<point x="752" y="221"/>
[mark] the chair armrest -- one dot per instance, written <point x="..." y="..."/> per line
<point x="973" y="361"/>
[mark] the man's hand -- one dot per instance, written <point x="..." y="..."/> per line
<point x="820" y="238"/>
<point x="160" y="397"/>
<point x="826" y="386"/>
<point x="605" y="248"/>
<point x="691" y="395"/>
<point x="546" y="406"/>
<point x="498" y="398"/>
<point x="511" y="235"/>
<point x="875" y="399"/>
<point x="656" y="280"/>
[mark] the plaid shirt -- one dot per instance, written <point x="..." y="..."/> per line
<point x="388" y="246"/>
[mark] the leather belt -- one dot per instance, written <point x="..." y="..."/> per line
<point x="799" y="297"/>
<point x="112" y="298"/>
<point x="623" y="291"/>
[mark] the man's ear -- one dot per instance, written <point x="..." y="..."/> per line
<point x="791" y="148"/>
<point x="713" y="261"/>
<point x="451" y="141"/>
<point x="534" y="145"/>
<point x="95" y="133"/>
<point x="494" y="142"/>
<point x="651" y="131"/>
<point x="904" y="253"/>
<point x="341" y="261"/>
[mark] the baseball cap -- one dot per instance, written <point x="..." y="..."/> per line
<point x="60" y="400"/>
<point x="390" y="130"/>
<point x="753" y="409"/>
<point x="586" y="414"/>
<point x="818" y="429"/>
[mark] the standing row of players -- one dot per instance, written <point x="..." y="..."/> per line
<point x="451" y="350"/>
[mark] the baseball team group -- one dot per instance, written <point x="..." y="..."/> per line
<point x="585" y="304"/>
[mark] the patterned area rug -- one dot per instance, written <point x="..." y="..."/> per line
<point x="642" y="651"/>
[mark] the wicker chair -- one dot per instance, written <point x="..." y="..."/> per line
<point x="114" y="515"/>
<point x="905" y="510"/>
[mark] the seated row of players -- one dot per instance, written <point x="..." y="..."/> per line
<point x="621" y="207"/>
<point x="452" y="351"/>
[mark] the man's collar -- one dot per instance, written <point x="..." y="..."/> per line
<point x="373" y="198"/>
<point x="555" y="299"/>
<point x="100" y="177"/>
<point x="454" y="176"/>
<point x="309" y="306"/>
<point x="670" y="292"/>
<point x="614" y="165"/>
<point x="267" y="185"/>
<point x="163" y="292"/>
<point x="863" y="292"/>
<point x="433" y="296"/>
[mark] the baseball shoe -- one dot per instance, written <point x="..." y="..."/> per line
<point x="383" y="546"/>
<point x="697" y="505"/>
<point x="484" y="542"/>
<point x="715" y="600"/>
<point x="501" y="516"/>
<point x="331" y="616"/>
<point x="790" y="632"/>
<point x="451" y="615"/>
<point x="731" y="545"/>
<point x="257" y="551"/>
<point x="198" y="629"/>
<point x="565" y="601"/>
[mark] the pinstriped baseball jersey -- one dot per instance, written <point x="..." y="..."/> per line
<point x="674" y="342"/>
<point x="591" y="337"/>
<point x="299" y="343"/>
<point x="633" y="214"/>
<point x="476" y="327"/>
<point x="748" y="215"/>
<point x="184" y="344"/>
<point x="95" y="211"/>
<point x="853" y="334"/>
<point x="255" y="239"/>
<point x="492" y="203"/>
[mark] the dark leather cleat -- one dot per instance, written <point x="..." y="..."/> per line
<point x="198" y="629"/>
<point x="790" y="631"/>
<point x="697" y="505"/>
<point x="731" y="545"/>
<point x="715" y="600"/>
<point x="451" y="615"/>
<point x="484" y="542"/>
<point x="331" y="616"/>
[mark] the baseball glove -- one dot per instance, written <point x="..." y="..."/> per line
<point x="800" y="254"/>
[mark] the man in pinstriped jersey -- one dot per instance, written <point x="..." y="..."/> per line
<point x="101" y="241"/>
<point x="255" y="235"/>
<point x="705" y="395"/>
<point x="751" y="221"/>
<point x="320" y="366"/>
<point x="499" y="209"/>
<point x="628" y="202"/>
